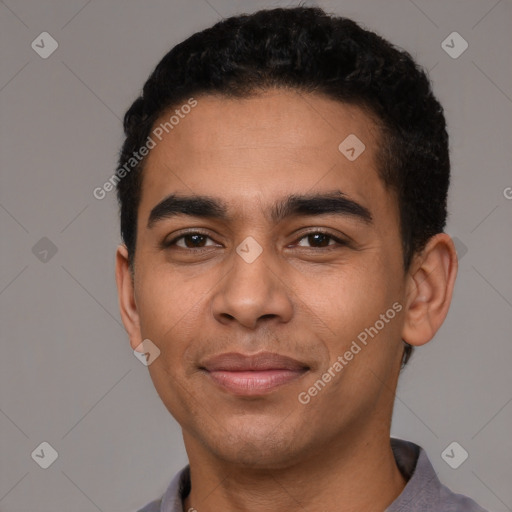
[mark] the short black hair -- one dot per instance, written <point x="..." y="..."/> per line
<point x="304" y="49"/>
<point x="307" y="50"/>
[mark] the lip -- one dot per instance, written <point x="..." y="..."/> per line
<point x="252" y="375"/>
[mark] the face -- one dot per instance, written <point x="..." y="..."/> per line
<point x="289" y="253"/>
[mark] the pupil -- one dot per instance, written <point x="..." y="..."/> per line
<point x="319" y="237"/>
<point x="196" y="239"/>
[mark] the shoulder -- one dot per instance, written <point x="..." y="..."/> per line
<point x="172" y="499"/>
<point x="452" y="502"/>
<point x="423" y="491"/>
<point x="154" y="506"/>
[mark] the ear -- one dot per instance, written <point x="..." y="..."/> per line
<point x="126" y="297"/>
<point x="429" y="289"/>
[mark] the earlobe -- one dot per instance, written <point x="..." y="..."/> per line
<point x="430" y="288"/>
<point x="126" y="297"/>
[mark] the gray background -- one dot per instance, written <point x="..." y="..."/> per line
<point x="68" y="375"/>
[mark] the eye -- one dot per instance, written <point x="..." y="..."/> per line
<point x="312" y="240"/>
<point x="320" y="239"/>
<point x="192" y="240"/>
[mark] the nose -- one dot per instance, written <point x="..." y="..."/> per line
<point x="252" y="293"/>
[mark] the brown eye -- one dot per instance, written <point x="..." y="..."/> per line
<point x="319" y="239"/>
<point x="193" y="240"/>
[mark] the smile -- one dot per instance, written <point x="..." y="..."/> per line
<point x="247" y="375"/>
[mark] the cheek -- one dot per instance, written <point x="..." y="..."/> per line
<point x="164" y="304"/>
<point x="346" y="298"/>
<point x="348" y="304"/>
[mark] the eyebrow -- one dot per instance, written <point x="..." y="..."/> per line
<point x="330" y="203"/>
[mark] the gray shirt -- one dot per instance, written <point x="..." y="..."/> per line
<point x="422" y="493"/>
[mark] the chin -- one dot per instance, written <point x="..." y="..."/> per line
<point x="257" y="446"/>
<point x="256" y="457"/>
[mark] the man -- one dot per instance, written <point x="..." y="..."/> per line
<point x="283" y="192"/>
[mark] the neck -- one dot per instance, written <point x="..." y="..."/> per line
<point x="359" y="475"/>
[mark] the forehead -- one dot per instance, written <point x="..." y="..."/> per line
<point x="266" y="146"/>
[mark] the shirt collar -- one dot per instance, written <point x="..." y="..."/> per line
<point x="422" y="482"/>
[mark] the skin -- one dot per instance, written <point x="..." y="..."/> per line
<point x="298" y="298"/>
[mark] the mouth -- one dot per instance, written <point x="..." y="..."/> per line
<point x="253" y="375"/>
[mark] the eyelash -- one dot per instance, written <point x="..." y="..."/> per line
<point x="340" y="242"/>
